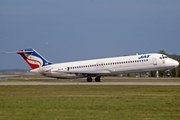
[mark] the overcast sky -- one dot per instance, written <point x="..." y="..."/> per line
<point x="68" y="30"/>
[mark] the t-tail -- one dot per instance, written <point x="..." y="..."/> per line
<point x="33" y="58"/>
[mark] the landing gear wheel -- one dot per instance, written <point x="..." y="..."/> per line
<point x="98" y="79"/>
<point x="89" y="79"/>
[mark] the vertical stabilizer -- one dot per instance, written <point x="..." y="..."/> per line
<point x="33" y="58"/>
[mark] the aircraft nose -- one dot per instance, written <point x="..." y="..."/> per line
<point x="176" y="63"/>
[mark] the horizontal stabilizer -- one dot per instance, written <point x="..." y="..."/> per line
<point x="16" y="52"/>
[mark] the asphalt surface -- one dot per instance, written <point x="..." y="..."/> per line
<point x="91" y="83"/>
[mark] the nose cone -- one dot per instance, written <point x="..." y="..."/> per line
<point x="176" y="63"/>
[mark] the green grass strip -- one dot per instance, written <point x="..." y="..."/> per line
<point x="78" y="102"/>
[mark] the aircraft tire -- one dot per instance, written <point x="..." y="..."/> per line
<point x="89" y="79"/>
<point x="98" y="79"/>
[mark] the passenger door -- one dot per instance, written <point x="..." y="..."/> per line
<point x="154" y="61"/>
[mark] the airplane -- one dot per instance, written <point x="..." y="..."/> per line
<point x="96" y="67"/>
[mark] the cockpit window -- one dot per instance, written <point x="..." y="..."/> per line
<point x="163" y="57"/>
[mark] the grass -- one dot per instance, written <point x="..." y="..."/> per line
<point x="78" y="102"/>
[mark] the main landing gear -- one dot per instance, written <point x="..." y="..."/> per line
<point x="97" y="79"/>
<point x="89" y="79"/>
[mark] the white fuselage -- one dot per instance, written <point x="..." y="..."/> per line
<point x="108" y="66"/>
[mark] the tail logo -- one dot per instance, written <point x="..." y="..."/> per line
<point x="34" y="61"/>
<point x="33" y="58"/>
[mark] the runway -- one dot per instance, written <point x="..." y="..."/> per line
<point x="92" y="83"/>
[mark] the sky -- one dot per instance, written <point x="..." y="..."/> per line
<point x="71" y="30"/>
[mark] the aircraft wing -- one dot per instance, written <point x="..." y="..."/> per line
<point x="99" y="72"/>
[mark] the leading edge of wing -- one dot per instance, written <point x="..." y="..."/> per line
<point x="84" y="72"/>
